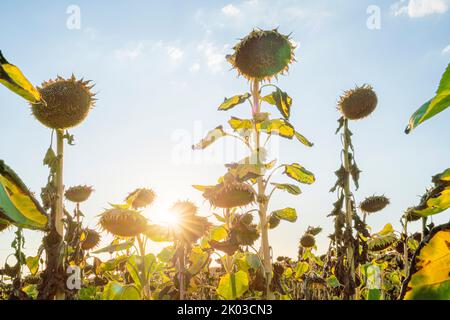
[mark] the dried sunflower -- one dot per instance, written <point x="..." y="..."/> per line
<point x="91" y="239"/>
<point x="123" y="222"/>
<point x="262" y="55"/>
<point x="358" y="103"/>
<point x="230" y="194"/>
<point x="189" y="227"/>
<point x="140" y="198"/>
<point x="78" y="194"/>
<point x="67" y="102"/>
<point x="307" y="241"/>
<point x="374" y="204"/>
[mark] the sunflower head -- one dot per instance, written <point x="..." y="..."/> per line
<point x="91" y="239"/>
<point x="307" y="241"/>
<point x="262" y="55"/>
<point x="230" y="194"/>
<point x="123" y="222"/>
<point x="140" y="198"/>
<point x="66" y="102"/>
<point x="374" y="204"/>
<point x="358" y="103"/>
<point x="381" y="243"/>
<point x="78" y="194"/>
<point x="189" y="227"/>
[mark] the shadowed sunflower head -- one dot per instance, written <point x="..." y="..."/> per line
<point x="358" y="103"/>
<point x="230" y="193"/>
<point x="188" y="225"/>
<point x="66" y="102"/>
<point x="307" y="241"/>
<point x="374" y="204"/>
<point x="78" y="194"/>
<point x="123" y="222"/>
<point x="140" y="198"/>
<point x="262" y="55"/>
<point x="91" y="239"/>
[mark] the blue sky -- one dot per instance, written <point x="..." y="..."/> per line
<point x="160" y="74"/>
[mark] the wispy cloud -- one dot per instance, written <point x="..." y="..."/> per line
<point x="130" y="53"/>
<point x="194" y="68"/>
<point x="214" y="55"/>
<point x="175" y="54"/>
<point x="419" y="8"/>
<point x="230" y="10"/>
<point x="446" y="50"/>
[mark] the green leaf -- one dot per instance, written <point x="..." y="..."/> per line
<point x="299" y="173"/>
<point x="303" y="139"/>
<point x="117" y="291"/>
<point x="197" y="260"/>
<point x="12" y="78"/>
<point x="114" y="247"/>
<point x="234" y="101"/>
<point x="301" y="268"/>
<point x="33" y="264"/>
<point x="292" y="189"/>
<point x="281" y="100"/>
<point x="439" y="103"/>
<point x="210" y="138"/>
<point x="288" y="214"/>
<point x="243" y="125"/>
<point x="333" y="282"/>
<point x="278" y="127"/>
<point x="136" y="265"/>
<point x="166" y="254"/>
<point x="17" y="203"/>
<point x="429" y="276"/>
<point x="233" y="285"/>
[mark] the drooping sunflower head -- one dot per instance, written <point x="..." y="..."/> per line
<point x="307" y="241"/>
<point x="262" y="55"/>
<point x="140" y="198"/>
<point x="123" y="222"/>
<point x="91" y="239"/>
<point x="66" y="102"/>
<point x="188" y="227"/>
<point x="358" y="103"/>
<point x="230" y="194"/>
<point x="381" y="242"/>
<point x="374" y="204"/>
<point x="78" y="194"/>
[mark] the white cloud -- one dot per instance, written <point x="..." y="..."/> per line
<point x="230" y="10"/>
<point x="195" y="68"/>
<point x="419" y="8"/>
<point x="446" y="50"/>
<point x="214" y="55"/>
<point x="175" y="53"/>
<point x="129" y="53"/>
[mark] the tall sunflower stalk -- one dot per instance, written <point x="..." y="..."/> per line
<point x="260" y="56"/>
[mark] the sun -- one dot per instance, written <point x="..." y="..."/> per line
<point x="167" y="218"/>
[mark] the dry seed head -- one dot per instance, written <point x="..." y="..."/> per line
<point x="184" y="208"/>
<point x="67" y="102"/>
<point x="262" y="55"/>
<point x="92" y="239"/>
<point x="307" y="241"/>
<point x="374" y="204"/>
<point x="123" y="222"/>
<point x="381" y="243"/>
<point x="230" y="195"/>
<point x="358" y="103"/>
<point x="78" y="194"/>
<point x="140" y="198"/>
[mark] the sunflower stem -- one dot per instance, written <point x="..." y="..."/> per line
<point x="348" y="205"/>
<point x="265" y="247"/>
<point x="59" y="207"/>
